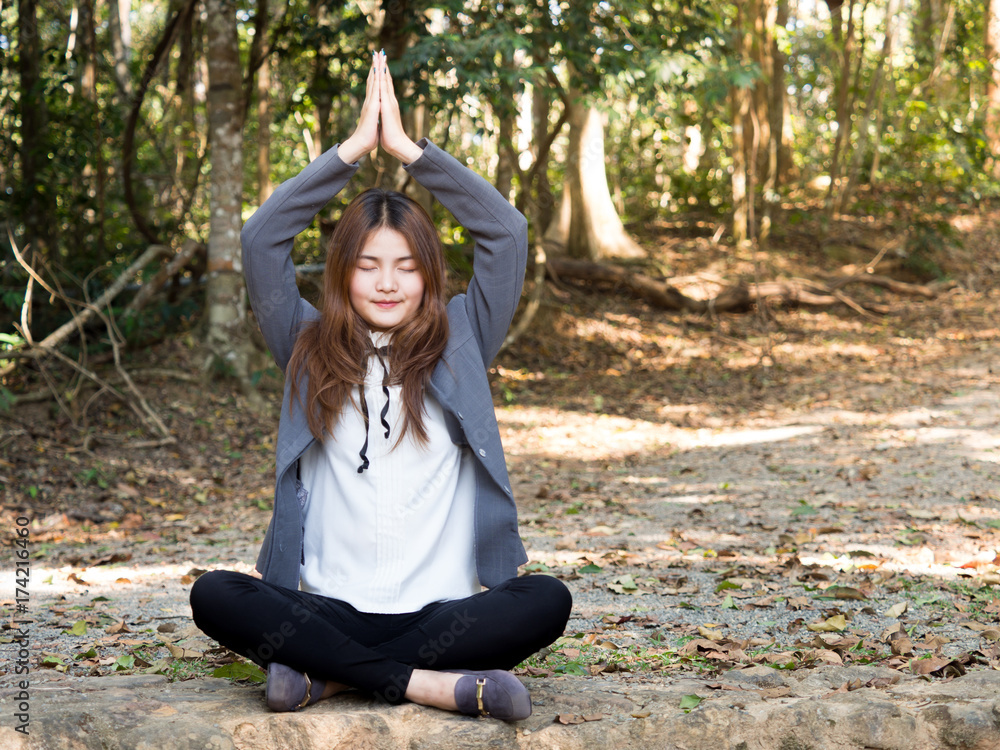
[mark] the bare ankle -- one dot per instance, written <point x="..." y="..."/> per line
<point x="430" y="688"/>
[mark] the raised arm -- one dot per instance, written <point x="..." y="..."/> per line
<point x="499" y="230"/>
<point x="268" y="236"/>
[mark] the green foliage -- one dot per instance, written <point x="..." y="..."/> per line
<point x="241" y="671"/>
<point x="927" y="238"/>
<point x="661" y="69"/>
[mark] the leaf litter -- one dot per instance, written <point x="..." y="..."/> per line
<point x="714" y="514"/>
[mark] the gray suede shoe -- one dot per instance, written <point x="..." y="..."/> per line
<point x="290" y="690"/>
<point x="492" y="692"/>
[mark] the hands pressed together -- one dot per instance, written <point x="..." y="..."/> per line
<point x="380" y="123"/>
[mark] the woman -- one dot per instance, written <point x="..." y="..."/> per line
<point x="392" y="506"/>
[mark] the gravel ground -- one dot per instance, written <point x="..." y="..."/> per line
<point x="897" y="507"/>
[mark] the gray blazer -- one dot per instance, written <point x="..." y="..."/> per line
<point x="478" y="322"/>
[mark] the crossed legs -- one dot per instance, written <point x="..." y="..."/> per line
<point x="395" y="657"/>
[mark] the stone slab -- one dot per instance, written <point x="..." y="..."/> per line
<point x="751" y="709"/>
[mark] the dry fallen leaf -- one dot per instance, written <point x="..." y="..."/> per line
<point x="901" y="646"/>
<point x="937" y="664"/>
<point x="845" y="592"/>
<point x="896" y="610"/>
<point x="183" y="653"/>
<point x="835" y="624"/>
<point x="625" y="585"/>
<point x="933" y="642"/>
<point x="826" y="655"/>
<point x="973" y="625"/>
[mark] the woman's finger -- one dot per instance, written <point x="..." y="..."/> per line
<point x="388" y="79"/>
<point x="372" y="75"/>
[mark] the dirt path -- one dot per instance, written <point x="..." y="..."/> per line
<point x="838" y="510"/>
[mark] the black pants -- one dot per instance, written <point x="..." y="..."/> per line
<point x="331" y="640"/>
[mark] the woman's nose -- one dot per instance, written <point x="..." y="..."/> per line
<point x="386" y="281"/>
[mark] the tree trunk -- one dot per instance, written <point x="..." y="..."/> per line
<point x="772" y="99"/>
<point x="844" y="105"/>
<point x="505" y="154"/>
<point x="34" y="127"/>
<point x="781" y="110"/>
<point x="589" y="225"/>
<point x="993" y="83"/>
<point x="926" y="23"/>
<point x="741" y="102"/>
<point x="319" y="87"/>
<point x="541" y="105"/>
<point x="260" y="74"/>
<point x="120" y="31"/>
<point x="94" y="172"/>
<point x="184" y="159"/>
<point x="505" y="114"/>
<point x="264" y="186"/>
<point x="872" y="110"/>
<point x="395" y="37"/>
<point x="226" y="306"/>
<point x="761" y="43"/>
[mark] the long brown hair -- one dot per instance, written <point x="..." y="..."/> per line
<point x="332" y="352"/>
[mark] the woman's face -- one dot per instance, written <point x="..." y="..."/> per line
<point x="387" y="287"/>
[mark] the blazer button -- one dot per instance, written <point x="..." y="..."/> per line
<point x="482" y="453"/>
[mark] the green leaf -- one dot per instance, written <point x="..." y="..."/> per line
<point x="725" y="586"/>
<point x="804" y="509"/>
<point x="7" y="399"/>
<point x="159" y="666"/>
<point x="241" y="670"/>
<point x="88" y="654"/>
<point x="572" y="667"/>
<point x="690" y="701"/>
<point x="624" y="585"/>
<point x="125" y="662"/>
<point x="591" y="568"/>
<point x="79" y="628"/>
<point x="728" y="603"/>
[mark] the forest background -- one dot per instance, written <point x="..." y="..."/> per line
<point x="761" y="294"/>
<point x="823" y="143"/>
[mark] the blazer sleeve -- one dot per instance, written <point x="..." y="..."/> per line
<point x="267" y="240"/>
<point x="501" y="235"/>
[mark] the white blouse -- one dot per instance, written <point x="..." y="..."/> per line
<point x="398" y="535"/>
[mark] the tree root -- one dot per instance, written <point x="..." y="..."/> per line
<point x="739" y="297"/>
